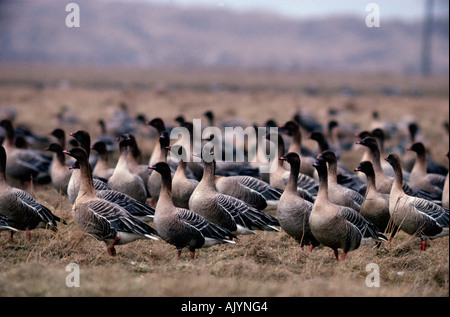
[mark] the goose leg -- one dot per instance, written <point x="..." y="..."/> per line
<point x="11" y="234"/>
<point x="343" y="256"/>
<point x="178" y="254"/>
<point x="192" y="255"/>
<point x="423" y="245"/>
<point x="111" y="250"/>
<point x="336" y="254"/>
<point x="28" y="235"/>
<point x="310" y="248"/>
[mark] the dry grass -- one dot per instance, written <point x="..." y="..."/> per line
<point x="266" y="265"/>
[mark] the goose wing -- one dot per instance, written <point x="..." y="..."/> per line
<point x="27" y="201"/>
<point x="438" y="213"/>
<point x="246" y="215"/>
<point x="133" y="206"/>
<point x="4" y="223"/>
<point x="206" y="228"/>
<point x="367" y="229"/>
<point x="31" y="160"/>
<point x="263" y="188"/>
<point x="119" y="219"/>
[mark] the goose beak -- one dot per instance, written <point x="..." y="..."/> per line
<point x="282" y="158"/>
<point x="152" y="167"/>
<point x="66" y="152"/>
<point x="168" y="148"/>
<point x="356" y="170"/>
<point x="358" y="142"/>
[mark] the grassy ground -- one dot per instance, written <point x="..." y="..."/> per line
<point x="266" y="265"/>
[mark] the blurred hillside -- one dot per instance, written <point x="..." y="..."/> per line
<point x="150" y="35"/>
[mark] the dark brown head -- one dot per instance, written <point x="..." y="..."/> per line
<point x="394" y="160"/>
<point x="84" y="139"/>
<point x="291" y="158"/>
<point x="417" y="147"/>
<point x="328" y="156"/>
<point x="291" y="128"/>
<point x="55" y="147"/>
<point x="158" y="124"/>
<point x="370" y="142"/>
<point x="365" y="167"/>
<point x="99" y="147"/>
<point x="161" y="167"/>
<point x="77" y="153"/>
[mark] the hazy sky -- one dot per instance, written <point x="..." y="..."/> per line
<point x="403" y="9"/>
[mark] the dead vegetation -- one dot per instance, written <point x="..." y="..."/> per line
<point x="266" y="265"/>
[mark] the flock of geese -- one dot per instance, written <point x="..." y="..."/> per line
<point x="310" y="195"/>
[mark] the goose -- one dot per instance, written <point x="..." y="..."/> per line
<point x="23" y="164"/>
<point x="84" y="139"/>
<point x="419" y="177"/>
<point x="182" y="186"/>
<point x="383" y="181"/>
<point x="4" y="223"/>
<point x="100" y="218"/>
<point x="60" y="136"/>
<point x="413" y="215"/>
<point x="293" y="211"/>
<point x="59" y="172"/>
<point x="445" y="198"/>
<point x="279" y="176"/>
<point x="123" y="180"/>
<point x="181" y="227"/>
<point x="23" y="211"/>
<point x="375" y="207"/>
<point x="142" y="211"/>
<point x="154" y="180"/>
<point x="338" y="227"/>
<point x="293" y="130"/>
<point x="101" y="168"/>
<point x="108" y="139"/>
<point x="227" y="211"/>
<point x="339" y="194"/>
<point x="249" y="189"/>
<point x="160" y="127"/>
<point x="134" y="159"/>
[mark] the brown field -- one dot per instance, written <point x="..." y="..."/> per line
<point x="265" y="265"/>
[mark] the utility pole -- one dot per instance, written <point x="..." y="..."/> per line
<point x="425" y="67"/>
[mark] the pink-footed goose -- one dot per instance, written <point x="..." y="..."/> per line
<point x="227" y="211"/>
<point x="445" y="194"/>
<point x="375" y="207"/>
<point x="337" y="193"/>
<point x="181" y="227"/>
<point x="84" y="139"/>
<point x="102" y="168"/>
<point x="293" y="130"/>
<point x="413" y="215"/>
<point x="419" y="176"/>
<point x="338" y="227"/>
<point x="59" y="172"/>
<point x="21" y="209"/>
<point x="123" y="180"/>
<point x="182" y="186"/>
<point x="154" y="180"/>
<point x="279" y="176"/>
<point x="384" y="182"/>
<point x="23" y="164"/>
<point x="293" y="211"/>
<point x="100" y="218"/>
